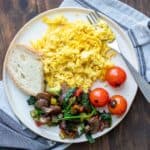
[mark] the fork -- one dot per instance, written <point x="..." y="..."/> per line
<point x="93" y="18"/>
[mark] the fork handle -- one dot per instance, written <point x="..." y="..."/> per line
<point x="143" y="85"/>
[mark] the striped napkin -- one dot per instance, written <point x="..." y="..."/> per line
<point x="14" y="135"/>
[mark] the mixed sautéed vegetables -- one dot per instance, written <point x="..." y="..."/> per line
<point x="75" y="111"/>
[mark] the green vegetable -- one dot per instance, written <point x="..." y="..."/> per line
<point x="36" y="113"/>
<point x="85" y="101"/>
<point x="106" y="117"/>
<point x="90" y="138"/>
<point x="81" y="129"/>
<point x="55" y="90"/>
<point x="71" y="102"/>
<point x="69" y="93"/>
<point x="67" y="109"/>
<point x="31" y="100"/>
<point x="33" y="114"/>
<point x="39" y="111"/>
<point x="82" y="116"/>
<point x="68" y="102"/>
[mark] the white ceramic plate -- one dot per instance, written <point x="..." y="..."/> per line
<point x="33" y="30"/>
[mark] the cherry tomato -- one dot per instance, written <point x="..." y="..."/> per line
<point x="78" y="92"/>
<point x="115" y="76"/>
<point x="117" y="105"/>
<point x="99" y="97"/>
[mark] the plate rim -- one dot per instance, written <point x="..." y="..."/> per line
<point x="10" y="46"/>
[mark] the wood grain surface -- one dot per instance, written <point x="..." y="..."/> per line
<point x="133" y="133"/>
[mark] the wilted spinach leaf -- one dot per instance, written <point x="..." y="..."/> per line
<point x="90" y="138"/>
<point x="69" y="93"/>
<point x="31" y="100"/>
<point x="85" y="101"/>
<point x="106" y="117"/>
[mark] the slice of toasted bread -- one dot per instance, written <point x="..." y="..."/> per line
<point x="26" y="70"/>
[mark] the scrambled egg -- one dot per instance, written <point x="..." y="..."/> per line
<point x="74" y="52"/>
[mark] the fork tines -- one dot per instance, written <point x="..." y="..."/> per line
<point x="93" y="17"/>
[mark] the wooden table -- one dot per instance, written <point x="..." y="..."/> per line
<point x="133" y="133"/>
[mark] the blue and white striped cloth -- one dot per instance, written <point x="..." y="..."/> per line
<point x="14" y="135"/>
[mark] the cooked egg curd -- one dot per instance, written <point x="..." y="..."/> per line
<point x="76" y="52"/>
